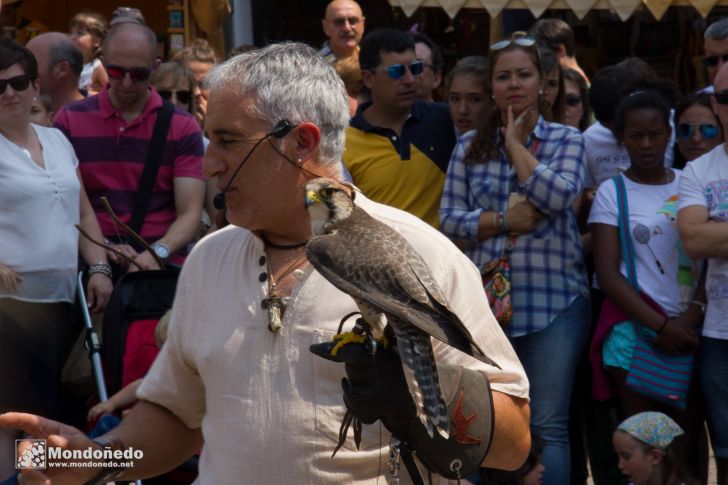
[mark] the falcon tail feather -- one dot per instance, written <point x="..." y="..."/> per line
<point x="420" y="371"/>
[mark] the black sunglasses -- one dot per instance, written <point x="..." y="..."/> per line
<point x="18" y="83"/>
<point x="183" y="96"/>
<point x="721" y="96"/>
<point x="712" y="61"/>
<point x="573" y="100"/>
<point x="136" y="73"/>
<point x="684" y="131"/>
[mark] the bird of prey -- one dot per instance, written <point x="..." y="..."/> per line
<point x="391" y="284"/>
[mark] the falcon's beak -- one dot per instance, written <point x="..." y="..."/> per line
<point x="312" y="198"/>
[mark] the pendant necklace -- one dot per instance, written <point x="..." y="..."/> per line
<point x="274" y="303"/>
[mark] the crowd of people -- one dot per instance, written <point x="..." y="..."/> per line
<point x="599" y="202"/>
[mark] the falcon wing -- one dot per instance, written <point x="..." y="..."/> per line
<point x="372" y="262"/>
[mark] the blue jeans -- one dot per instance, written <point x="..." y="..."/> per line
<point x="550" y="357"/>
<point x="714" y="380"/>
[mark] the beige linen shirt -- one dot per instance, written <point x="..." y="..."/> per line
<point x="269" y="409"/>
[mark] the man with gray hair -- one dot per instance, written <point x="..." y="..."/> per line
<point x="268" y="410"/>
<point x="716" y="50"/>
<point x="59" y="67"/>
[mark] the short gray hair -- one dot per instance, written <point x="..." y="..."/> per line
<point x="66" y="50"/>
<point x="289" y="81"/>
<point x="718" y="30"/>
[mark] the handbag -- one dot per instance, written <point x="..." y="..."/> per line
<point x="497" y="285"/>
<point x="652" y="372"/>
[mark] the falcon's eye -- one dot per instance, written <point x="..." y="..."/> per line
<point x="327" y="192"/>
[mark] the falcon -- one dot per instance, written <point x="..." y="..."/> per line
<point x="393" y="289"/>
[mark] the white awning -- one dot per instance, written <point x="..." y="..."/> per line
<point x="623" y="8"/>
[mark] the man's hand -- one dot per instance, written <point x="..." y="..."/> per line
<point x="375" y="385"/>
<point x="56" y="434"/>
<point x="146" y="261"/>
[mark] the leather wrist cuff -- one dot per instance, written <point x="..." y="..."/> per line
<point x="470" y="407"/>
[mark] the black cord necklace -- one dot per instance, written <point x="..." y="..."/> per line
<point x="283" y="247"/>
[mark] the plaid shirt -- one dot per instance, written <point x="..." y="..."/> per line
<point x="547" y="270"/>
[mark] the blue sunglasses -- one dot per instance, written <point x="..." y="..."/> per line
<point x="684" y="131"/>
<point x="396" y="71"/>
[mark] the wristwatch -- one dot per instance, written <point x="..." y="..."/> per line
<point x="161" y="250"/>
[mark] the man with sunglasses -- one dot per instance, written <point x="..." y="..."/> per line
<point x="716" y="50"/>
<point x="111" y="133"/>
<point x="397" y="148"/>
<point x="702" y="221"/>
<point x="59" y="67"/>
<point x="343" y="24"/>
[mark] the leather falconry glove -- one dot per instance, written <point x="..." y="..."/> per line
<point x="375" y="388"/>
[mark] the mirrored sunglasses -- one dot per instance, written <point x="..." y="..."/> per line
<point x="183" y="96"/>
<point x="572" y="100"/>
<point x="721" y="96"/>
<point x="525" y="41"/>
<point x="683" y="131"/>
<point x="18" y="83"/>
<point x="136" y="73"/>
<point x="397" y="71"/>
<point x="712" y="61"/>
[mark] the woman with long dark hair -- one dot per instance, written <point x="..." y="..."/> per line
<point x="509" y="193"/>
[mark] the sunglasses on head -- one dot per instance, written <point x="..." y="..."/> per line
<point x="135" y="73"/>
<point x="18" y="83"/>
<point x="525" y="41"/>
<point x="572" y="100"/>
<point x="712" y="61"/>
<point x="683" y="131"/>
<point x="183" y="96"/>
<point x="397" y="71"/>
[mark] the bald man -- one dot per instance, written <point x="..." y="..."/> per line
<point x="343" y="24"/>
<point x="59" y="67"/>
<point x="111" y="133"/>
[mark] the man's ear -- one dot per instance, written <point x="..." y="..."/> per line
<point x="325" y="28"/>
<point x="367" y="77"/>
<point x="438" y="80"/>
<point x="308" y="139"/>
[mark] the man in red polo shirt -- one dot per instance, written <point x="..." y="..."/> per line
<point x="111" y="134"/>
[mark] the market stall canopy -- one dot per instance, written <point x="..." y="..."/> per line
<point x="623" y="8"/>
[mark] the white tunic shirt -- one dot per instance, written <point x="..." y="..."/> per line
<point x="39" y="208"/>
<point x="269" y="409"/>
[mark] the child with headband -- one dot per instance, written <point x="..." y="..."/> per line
<point x="645" y="446"/>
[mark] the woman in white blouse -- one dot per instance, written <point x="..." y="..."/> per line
<point x="41" y="199"/>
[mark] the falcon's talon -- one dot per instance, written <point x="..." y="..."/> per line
<point x="342" y="339"/>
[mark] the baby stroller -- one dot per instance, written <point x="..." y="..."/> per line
<point x="137" y="303"/>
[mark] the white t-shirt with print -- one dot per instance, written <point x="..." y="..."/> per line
<point x="705" y="183"/>
<point x="663" y="268"/>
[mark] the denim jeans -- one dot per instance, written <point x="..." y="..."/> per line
<point x="550" y="357"/>
<point x="714" y="380"/>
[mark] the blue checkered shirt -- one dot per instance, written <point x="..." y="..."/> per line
<point x="547" y="271"/>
